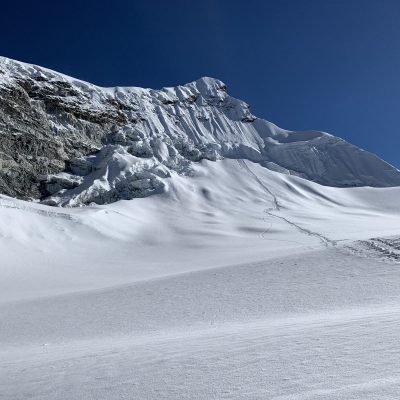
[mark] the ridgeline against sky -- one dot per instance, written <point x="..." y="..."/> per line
<point x="324" y="65"/>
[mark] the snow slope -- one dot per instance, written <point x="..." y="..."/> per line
<point x="238" y="282"/>
<point x="226" y="212"/>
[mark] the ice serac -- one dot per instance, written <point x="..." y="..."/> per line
<point x="68" y="142"/>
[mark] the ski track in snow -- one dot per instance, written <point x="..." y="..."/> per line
<point x="324" y="240"/>
<point x="52" y="213"/>
<point x="383" y="249"/>
<point x="243" y="164"/>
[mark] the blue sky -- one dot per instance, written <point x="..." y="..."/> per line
<point x="330" y="65"/>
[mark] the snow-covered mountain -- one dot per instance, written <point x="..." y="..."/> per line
<point x="68" y="142"/>
<point x="253" y="272"/>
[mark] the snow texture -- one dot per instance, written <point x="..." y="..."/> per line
<point x="239" y="282"/>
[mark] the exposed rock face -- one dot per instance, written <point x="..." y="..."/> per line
<point x="43" y="123"/>
<point x="67" y="142"/>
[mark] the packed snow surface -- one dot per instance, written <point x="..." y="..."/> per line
<point x="237" y="283"/>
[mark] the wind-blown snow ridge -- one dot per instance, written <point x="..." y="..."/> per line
<point x="142" y="137"/>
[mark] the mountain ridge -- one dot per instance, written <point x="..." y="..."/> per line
<point x="68" y="142"/>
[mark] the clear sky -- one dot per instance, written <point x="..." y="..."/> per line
<point x="330" y="65"/>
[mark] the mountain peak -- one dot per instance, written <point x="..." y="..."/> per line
<point x="209" y="86"/>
